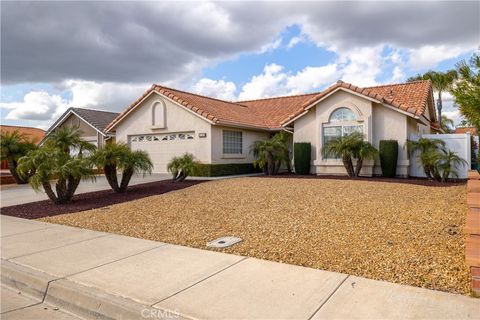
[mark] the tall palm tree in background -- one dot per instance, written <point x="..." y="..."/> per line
<point x="441" y="82"/>
<point x="447" y="124"/>
<point x="15" y="145"/>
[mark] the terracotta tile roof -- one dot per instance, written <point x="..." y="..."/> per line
<point x="32" y="133"/>
<point x="272" y="113"/>
<point x="471" y="130"/>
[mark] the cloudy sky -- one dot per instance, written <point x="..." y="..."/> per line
<point x="104" y="55"/>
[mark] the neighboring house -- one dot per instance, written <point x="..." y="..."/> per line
<point x="167" y="122"/>
<point x="34" y="134"/>
<point x="472" y="130"/>
<point x="91" y="123"/>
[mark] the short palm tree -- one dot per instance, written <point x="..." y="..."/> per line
<point x="183" y="166"/>
<point x="118" y="156"/>
<point x="283" y="152"/>
<point x="365" y="151"/>
<point x="271" y="153"/>
<point x="15" y="145"/>
<point x="55" y="160"/>
<point x="448" y="162"/>
<point x="347" y="148"/>
<point x="428" y="154"/>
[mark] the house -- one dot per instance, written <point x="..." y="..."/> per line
<point x="166" y="122"/>
<point x="472" y="130"/>
<point x="34" y="134"/>
<point x="91" y="123"/>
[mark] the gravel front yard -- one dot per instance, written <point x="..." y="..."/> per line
<point x="402" y="233"/>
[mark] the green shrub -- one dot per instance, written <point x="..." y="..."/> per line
<point x="388" y="157"/>
<point x="301" y="153"/>
<point x="216" y="170"/>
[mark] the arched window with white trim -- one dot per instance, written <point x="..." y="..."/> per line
<point x="342" y="121"/>
<point x="158" y="115"/>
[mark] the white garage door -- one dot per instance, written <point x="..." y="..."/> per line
<point x="163" y="147"/>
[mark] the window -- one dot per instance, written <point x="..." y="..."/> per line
<point x="232" y="142"/>
<point x="181" y="136"/>
<point x="343" y="122"/>
<point x="342" y="114"/>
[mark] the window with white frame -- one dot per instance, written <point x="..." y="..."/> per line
<point x="232" y="142"/>
<point x="341" y="123"/>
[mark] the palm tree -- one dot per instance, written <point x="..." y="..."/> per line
<point x="56" y="160"/>
<point x="447" y="124"/>
<point x="15" y="145"/>
<point x="117" y="156"/>
<point x="365" y="151"/>
<point x="429" y="157"/>
<point x="270" y="153"/>
<point x="441" y="82"/>
<point x="448" y="161"/>
<point x="344" y="147"/>
<point x="182" y="167"/>
<point x="283" y="152"/>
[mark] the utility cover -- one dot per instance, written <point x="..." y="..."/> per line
<point x="223" y="242"/>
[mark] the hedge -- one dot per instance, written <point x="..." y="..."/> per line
<point x="216" y="170"/>
<point x="301" y="157"/>
<point x="388" y="150"/>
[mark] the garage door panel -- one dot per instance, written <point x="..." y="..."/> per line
<point x="162" y="148"/>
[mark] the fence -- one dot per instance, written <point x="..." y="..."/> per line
<point x="459" y="143"/>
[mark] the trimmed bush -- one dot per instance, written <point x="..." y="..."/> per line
<point x="301" y="154"/>
<point x="388" y="157"/>
<point x="216" y="170"/>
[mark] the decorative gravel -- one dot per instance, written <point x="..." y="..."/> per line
<point x="403" y="233"/>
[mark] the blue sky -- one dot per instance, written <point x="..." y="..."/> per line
<point x="219" y="50"/>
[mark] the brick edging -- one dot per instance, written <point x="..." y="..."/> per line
<point x="472" y="230"/>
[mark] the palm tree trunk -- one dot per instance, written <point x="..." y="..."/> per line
<point x="61" y="188"/>
<point x="439" y="107"/>
<point x="358" y="166"/>
<point x="111" y="175"/>
<point x="126" y="176"/>
<point x="12" y="166"/>
<point x="270" y="163"/>
<point x="48" y="190"/>
<point x="347" y="162"/>
<point x="72" y="187"/>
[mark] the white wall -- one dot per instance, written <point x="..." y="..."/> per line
<point x="248" y="138"/>
<point x="459" y="143"/>
<point x="177" y="119"/>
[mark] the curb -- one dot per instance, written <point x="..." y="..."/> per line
<point x="80" y="300"/>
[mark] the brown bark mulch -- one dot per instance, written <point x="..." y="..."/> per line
<point x="92" y="200"/>
<point x="413" y="181"/>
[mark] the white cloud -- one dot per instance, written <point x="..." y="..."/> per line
<point x="106" y="95"/>
<point x="397" y="75"/>
<point x="38" y="105"/>
<point x="429" y="56"/>
<point x="267" y="84"/>
<point x="312" y="78"/>
<point x="362" y="66"/>
<point x="216" y="88"/>
<point x="295" y="40"/>
<point x="271" y="46"/>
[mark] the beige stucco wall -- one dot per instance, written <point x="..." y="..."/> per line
<point x="87" y="132"/>
<point x="177" y="119"/>
<point x="378" y="121"/>
<point x="248" y="138"/>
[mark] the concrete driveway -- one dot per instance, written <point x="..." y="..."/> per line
<point x="17" y="194"/>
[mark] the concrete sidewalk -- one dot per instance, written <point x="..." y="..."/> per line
<point x="93" y="274"/>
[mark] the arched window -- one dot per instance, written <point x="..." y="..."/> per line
<point x="342" y="114"/>
<point x="158" y="115"/>
<point x="341" y="123"/>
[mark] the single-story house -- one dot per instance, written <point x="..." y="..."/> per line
<point x="166" y="122"/>
<point x="34" y="134"/>
<point x="90" y="122"/>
